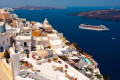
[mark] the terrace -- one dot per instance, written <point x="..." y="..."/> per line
<point x="84" y="63"/>
<point x="54" y="69"/>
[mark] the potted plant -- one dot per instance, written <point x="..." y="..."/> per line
<point x="6" y="55"/>
<point x="26" y="64"/>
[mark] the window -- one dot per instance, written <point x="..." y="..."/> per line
<point x="25" y="44"/>
<point x="1" y="49"/>
<point x="7" y="39"/>
<point x="3" y="42"/>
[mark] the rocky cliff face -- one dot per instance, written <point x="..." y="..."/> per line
<point x="112" y="14"/>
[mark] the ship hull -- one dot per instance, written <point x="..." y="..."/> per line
<point x="97" y="29"/>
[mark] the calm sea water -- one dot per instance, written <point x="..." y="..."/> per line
<point x="104" y="49"/>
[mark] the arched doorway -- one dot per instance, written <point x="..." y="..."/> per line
<point x="1" y="48"/>
<point x="26" y="51"/>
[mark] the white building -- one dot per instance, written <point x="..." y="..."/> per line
<point x="56" y="44"/>
<point x="42" y="41"/>
<point x="20" y="22"/>
<point x="52" y="37"/>
<point x="4" y="38"/>
<point x="14" y="59"/>
<point x="65" y="50"/>
<point x="28" y="24"/>
<point x="38" y="26"/>
<point x="11" y="29"/>
<point x="54" y="41"/>
<point x="23" y="42"/>
<point x="14" y="16"/>
<point x="47" y="26"/>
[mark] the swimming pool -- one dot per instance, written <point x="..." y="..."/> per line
<point x="86" y="60"/>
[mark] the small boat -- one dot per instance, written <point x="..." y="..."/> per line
<point x="113" y="38"/>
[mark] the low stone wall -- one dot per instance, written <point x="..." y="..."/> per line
<point x="7" y="69"/>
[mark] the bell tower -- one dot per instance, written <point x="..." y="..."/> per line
<point x="45" y="22"/>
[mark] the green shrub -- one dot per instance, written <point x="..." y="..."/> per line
<point x="98" y="76"/>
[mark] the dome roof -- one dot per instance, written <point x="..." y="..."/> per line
<point x="38" y="24"/>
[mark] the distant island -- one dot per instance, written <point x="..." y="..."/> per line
<point x="110" y="14"/>
<point x="36" y="8"/>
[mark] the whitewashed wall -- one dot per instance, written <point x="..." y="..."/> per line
<point x="5" y="41"/>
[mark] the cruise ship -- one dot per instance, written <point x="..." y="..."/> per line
<point x="93" y="27"/>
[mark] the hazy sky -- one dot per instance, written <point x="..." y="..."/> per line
<point x="60" y="3"/>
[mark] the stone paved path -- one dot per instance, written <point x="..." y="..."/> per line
<point x="3" y="75"/>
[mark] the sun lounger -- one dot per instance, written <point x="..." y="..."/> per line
<point x="74" y="79"/>
<point x="61" y="69"/>
<point x="67" y="76"/>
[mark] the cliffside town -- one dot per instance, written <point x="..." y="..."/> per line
<point x="35" y="51"/>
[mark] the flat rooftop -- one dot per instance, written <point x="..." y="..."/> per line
<point x="47" y="69"/>
<point x="41" y="38"/>
<point x="56" y="42"/>
<point x="23" y="37"/>
<point x="53" y="36"/>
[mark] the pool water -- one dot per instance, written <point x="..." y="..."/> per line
<point x="86" y="60"/>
